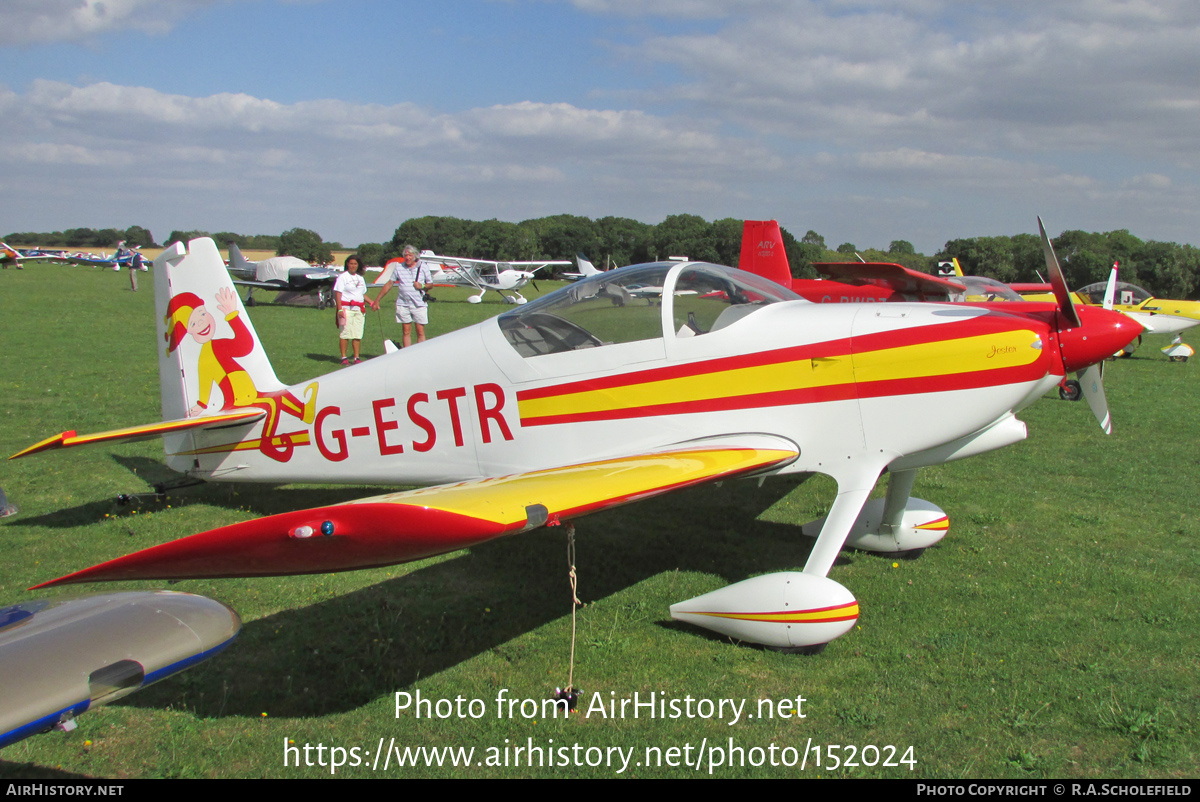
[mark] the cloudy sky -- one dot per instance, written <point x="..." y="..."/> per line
<point x="865" y="120"/>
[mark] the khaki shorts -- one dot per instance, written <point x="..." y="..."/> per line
<point x="353" y="328"/>
<point x="412" y="314"/>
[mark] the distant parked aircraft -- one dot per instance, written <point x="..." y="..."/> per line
<point x="506" y="278"/>
<point x="281" y="274"/>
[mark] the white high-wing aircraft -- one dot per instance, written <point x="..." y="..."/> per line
<point x="574" y="403"/>
<point x="506" y="278"/>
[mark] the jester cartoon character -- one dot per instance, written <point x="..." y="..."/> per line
<point x="218" y="364"/>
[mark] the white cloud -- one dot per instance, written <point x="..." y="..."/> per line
<point x="1065" y="76"/>
<point x="30" y="21"/>
<point x="45" y="153"/>
<point x="184" y="158"/>
<point x="671" y="9"/>
<point x="919" y="120"/>
<point x="1151" y="181"/>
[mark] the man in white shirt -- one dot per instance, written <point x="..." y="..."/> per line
<point x="412" y="278"/>
<point x="349" y="295"/>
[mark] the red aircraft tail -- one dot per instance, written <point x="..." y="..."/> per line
<point x="763" y="253"/>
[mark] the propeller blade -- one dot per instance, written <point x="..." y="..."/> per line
<point x="1092" y="381"/>
<point x="1082" y="346"/>
<point x="1110" y="291"/>
<point x="1061" y="293"/>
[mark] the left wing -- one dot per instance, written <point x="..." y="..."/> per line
<point x="411" y="525"/>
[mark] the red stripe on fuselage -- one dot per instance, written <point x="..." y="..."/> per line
<point x="808" y="395"/>
<point x="828" y="349"/>
<point x="885" y="340"/>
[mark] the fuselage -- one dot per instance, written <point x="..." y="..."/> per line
<point x="596" y="371"/>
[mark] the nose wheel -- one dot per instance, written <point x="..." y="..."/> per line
<point x="1070" y="390"/>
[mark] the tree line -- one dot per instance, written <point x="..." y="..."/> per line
<point x="300" y="242"/>
<point x="1166" y="269"/>
<point x="134" y="236"/>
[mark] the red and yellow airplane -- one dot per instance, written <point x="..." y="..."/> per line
<point x="847" y="282"/>
<point x="593" y="396"/>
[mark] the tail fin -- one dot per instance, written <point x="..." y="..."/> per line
<point x="949" y="269"/>
<point x="213" y="372"/>
<point x="586" y="268"/>
<point x="763" y="252"/>
<point x="238" y="263"/>
<point x="209" y="353"/>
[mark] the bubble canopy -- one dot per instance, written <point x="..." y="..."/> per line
<point x="640" y="302"/>
<point x="981" y="289"/>
<point x="1126" y="294"/>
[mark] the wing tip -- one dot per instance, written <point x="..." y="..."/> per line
<point x="50" y="443"/>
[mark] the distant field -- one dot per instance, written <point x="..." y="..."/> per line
<point x="1054" y="633"/>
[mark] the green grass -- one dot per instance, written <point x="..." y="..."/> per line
<point x="1052" y="634"/>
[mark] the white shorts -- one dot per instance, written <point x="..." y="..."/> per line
<point x="412" y="314"/>
<point x="353" y="328"/>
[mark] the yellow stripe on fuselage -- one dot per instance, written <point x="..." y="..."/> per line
<point x="1006" y="349"/>
<point x="959" y="355"/>
<point x="717" y="384"/>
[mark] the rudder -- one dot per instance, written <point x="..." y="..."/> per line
<point x="210" y="358"/>
<point x="763" y="253"/>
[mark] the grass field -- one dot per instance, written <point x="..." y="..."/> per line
<point x="1054" y="633"/>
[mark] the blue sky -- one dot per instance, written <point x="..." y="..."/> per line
<point x="865" y="120"/>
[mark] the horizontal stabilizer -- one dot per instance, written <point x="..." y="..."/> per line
<point x="147" y="431"/>
<point x="264" y="285"/>
<point x="885" y="274"/>
<point x="411" y="525"/>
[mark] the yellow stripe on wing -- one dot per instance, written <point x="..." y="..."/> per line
<point x="576" y="489"/>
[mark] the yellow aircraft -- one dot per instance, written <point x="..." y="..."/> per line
<point x="1157" y="315"/>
